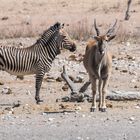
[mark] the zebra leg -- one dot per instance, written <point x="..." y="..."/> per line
<point x="39" y="79"/>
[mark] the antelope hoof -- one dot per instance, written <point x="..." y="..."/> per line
<point x="92" y="109"/>
<point x="102" y="109"/>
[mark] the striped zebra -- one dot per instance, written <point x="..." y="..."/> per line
<point x="36" y="59"/>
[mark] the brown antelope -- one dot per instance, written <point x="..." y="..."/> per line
<point x="98" y="63"/>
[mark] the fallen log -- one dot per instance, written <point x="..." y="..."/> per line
<point x="83" y="93"/>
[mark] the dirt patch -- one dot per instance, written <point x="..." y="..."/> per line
<point x="51" y="119"/>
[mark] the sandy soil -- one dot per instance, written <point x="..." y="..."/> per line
<point x="69" y="121"/>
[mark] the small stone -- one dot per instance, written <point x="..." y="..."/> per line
<point x="79" y="138"/>
<point x="21" y="77"/>
<point x="78" y="108"/>
<point x="135" y="86"/>
<point x="131" y="118"/>
<point x="28" y="92"/>
<point x="125" y="137"/>
<point x="72" y="58"/>
<point x="127" y="44"/>
<point x="5" y="18"/>
<point x="51" y="119"/>
<point x="124" y="71"/>
<point x="133" y="81"/>
<point x="83" y="115"/>
<point x="65" y="113"/>
<point x="76" y="112"/>
<point x="130" y="57"/>
<point x="65" y="87"/>
<point x="137" y="106"/>
<point x="79" y="79"/>
<point x="59" y="79"/>
<point x="1" y="83"/>
<point x="6" y="90"/>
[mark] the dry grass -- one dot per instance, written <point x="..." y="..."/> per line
<point x="82" y="30"/>
<point x="32" y="18"/>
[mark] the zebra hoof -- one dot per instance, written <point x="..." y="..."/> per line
<point x="92" y="109"/>
<point x="39" y="101"/>
<point x="102" y="109"/>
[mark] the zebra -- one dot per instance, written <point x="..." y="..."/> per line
<point x="37" y="58"/>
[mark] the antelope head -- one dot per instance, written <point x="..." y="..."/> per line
<point x="102" y="40"/>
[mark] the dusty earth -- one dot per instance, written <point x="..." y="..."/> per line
<point x="69" y="121"/>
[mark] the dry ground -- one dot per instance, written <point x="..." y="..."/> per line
<point x="28" y="121"/>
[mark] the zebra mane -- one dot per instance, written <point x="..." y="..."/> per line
<point x="47" y="34"/>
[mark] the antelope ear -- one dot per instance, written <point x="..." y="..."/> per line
<point x="110" y="37"/>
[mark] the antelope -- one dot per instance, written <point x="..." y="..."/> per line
<point x="98" y="63"/>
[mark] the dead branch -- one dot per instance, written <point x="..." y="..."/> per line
<point x="127" y="15"/>
<point x="76" y="94"/>
<point x="69" y="81"/>
<point x="84" y="87"/>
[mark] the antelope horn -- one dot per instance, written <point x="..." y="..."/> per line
<point x="112" y="28"/>
<point x="96" y="29"/>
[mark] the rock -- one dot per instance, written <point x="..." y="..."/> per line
<point x="80" y="138"/>
<point x="49" y="79"/>
<point x="131" y="118"/>
<point x="125" y="137"/>
<point x="16" y="104"/>
<point x="1" y="83"/>
<point x="5" y="18"/>
<point x="65" y="87"/>
<point x="133" y="81"/>
<point x="113" y="56"/>
<point x="63" y="106"/>
<point x="127" y="44"/>
<point x="124" y="71"/>
<point x="135" y="86"/>
<point x="28" y="92"/>
<point x="130" y="57"/>
<point x="78" y="108"/>
<point x="83" y="115"/>
<point x="79" y="79"/>
<point x="59" y="79"/>
<point x="21" y="77"/>
<point x="65" y="113"/>
<point x="133" y="73"/>
<point x="72" y="58"/>
<point x="137" y="106"/>
<point x="51" y="119"/>
<point x="6" y="90"/>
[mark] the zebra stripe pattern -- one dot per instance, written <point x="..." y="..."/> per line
<point x="36" y="59"/>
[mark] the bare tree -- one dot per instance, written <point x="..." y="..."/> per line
<point x="127" y="15"/>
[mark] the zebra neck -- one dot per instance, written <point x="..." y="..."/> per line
<point x="49" y="49"/>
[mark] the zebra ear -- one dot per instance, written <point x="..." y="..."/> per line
<point x="57" y="24"/>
